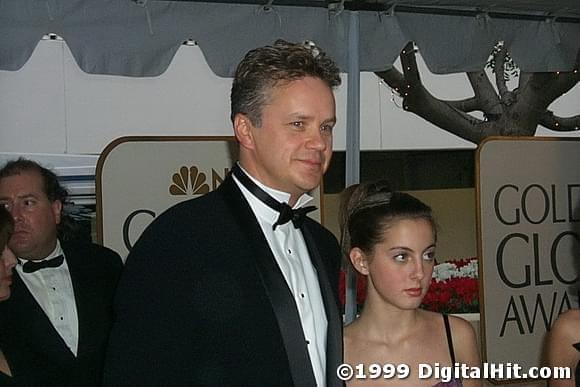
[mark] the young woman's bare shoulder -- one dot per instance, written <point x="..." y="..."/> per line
<point x="568" y="324"/>
<point x="461" y="328"/>
<point x="430" y="317"/>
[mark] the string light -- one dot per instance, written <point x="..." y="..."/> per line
<point x="393" y="100"/>
<point x="393" y="96"/>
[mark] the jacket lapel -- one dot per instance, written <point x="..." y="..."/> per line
<point x="275" y="287"/>
<point x="34" y="327"/>
<point x="88" y="316"/>
<point x="334" y="332"/>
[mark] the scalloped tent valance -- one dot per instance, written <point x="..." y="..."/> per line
<point x="125" y="37"/>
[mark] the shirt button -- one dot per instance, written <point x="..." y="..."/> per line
<point x="307" y="342"/>
<point x="289" y="251"/>
<point x="302" y="295"/>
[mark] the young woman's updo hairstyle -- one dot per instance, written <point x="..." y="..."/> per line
<point x="372" y="208"/>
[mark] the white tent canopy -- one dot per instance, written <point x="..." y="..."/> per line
<point x="139" y="38"/>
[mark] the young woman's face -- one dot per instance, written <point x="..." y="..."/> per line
<point x="401" y="266"/>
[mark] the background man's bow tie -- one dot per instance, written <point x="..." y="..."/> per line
<point x="32" y="266"/>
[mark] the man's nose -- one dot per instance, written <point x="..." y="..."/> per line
<point x="318" y="141"/>
<point x="15" y="211"/>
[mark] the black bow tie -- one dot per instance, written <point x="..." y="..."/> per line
<point x="32" y="266"/>
<point x="286" y="212"/>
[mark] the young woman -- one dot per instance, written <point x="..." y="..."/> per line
<point x="390" y="237"/>
<point x="7" y="262"/>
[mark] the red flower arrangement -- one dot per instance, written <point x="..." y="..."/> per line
<point x="454" y="288"/>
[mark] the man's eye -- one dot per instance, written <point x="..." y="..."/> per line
<point x="326" y="128"/>
<point x="297" y="124"/>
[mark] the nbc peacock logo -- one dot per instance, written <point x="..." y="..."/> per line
<point x="189" y="181"/>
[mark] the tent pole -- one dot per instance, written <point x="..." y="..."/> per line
<point x="352" y="172"/>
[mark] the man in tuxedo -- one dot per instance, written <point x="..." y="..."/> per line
<point x="56" y="324"/>
<point x="238" y="287"/>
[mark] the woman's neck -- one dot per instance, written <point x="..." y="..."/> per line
<point x="386" y="323"/>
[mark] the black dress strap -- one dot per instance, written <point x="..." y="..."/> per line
<point x="577" y="373"/>
<point x="449" y="338"/>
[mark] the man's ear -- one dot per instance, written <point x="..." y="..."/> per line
<point x="359" y="261"/>
<point x="56" y="210"/>
<point x="243" y="129"/>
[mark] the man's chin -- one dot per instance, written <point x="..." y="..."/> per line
<point x="4" y="294"/>
<point x="311" y="181"/>
<point x="311" y="187"/>
<point x="20" y="250"/>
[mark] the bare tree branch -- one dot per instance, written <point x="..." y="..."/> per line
<point x="524" y="78"/>
<point x="409" y="64"/>
<point x="560" y="84"/>
<point x="441" y="114"/>
<point x="438" y="112"/>
<point x="550" y="86"/>
<point x="486" y="95"/>
<point x="507" y="113"/>
<point x="559" y="124"/>
<point x="466" y="105"/>
<point x="394" y="78"/>
<point x="500" y="81"/>
<point x="419" y="101"/>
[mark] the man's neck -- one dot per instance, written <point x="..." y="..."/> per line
<point x="278" y="194"/>
<point x="49" y="252"/>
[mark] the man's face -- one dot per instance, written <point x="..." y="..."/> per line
<point x="292" y="149"/>
<point x="35" y="217"/>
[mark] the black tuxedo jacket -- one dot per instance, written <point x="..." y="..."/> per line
<point x="202" y="301"/>
<point x="36" y="353"/>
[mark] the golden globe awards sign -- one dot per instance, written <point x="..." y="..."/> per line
<point x="529" y="242"/>
<point x="138" y="178"/>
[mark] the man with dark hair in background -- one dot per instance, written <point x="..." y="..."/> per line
<point x="238" y="287"/>
<point x="60" y="312"/>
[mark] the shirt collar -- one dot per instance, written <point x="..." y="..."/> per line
<point x="281" y="196"/>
